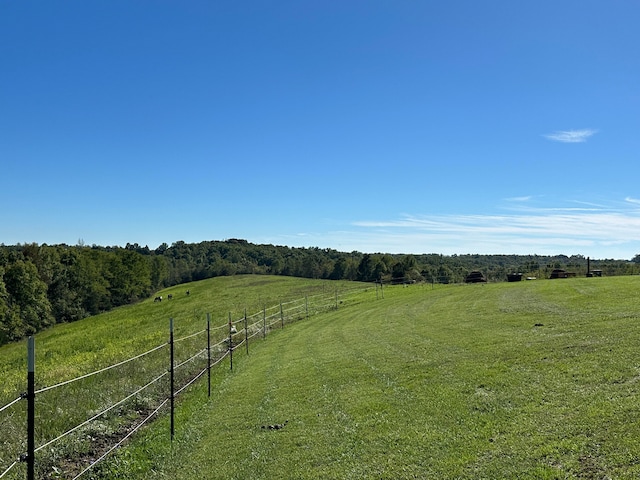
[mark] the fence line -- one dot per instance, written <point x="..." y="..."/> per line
<point x="291" y="301"/>
<point x="296" y="309"/>
<point x="255" y="333"/>
<point x="123" y="439"/>
<point x="324" y="294"/>
<point x="221" y="358"/>
<point x="192" y="381"/>
<point x="277" y="320"/>
<point x="224" y="325"/>
<point x="101" y="370"/>
<point x="253" y="325"/>
<point x="189" y="336"/>
<point x="259" y="321"/>
<point x="99" y="414"/>
<point x="190" y="359"/>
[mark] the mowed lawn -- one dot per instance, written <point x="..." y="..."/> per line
<point x="526" y="380"/>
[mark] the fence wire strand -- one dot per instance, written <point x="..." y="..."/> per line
<point x="100" y="414"/>
<point x="190" y="359"/>
<point x="8" y="469"/>
<point x="259" y="322"/>
<point x="101" y="370"/>
<point x="255" y="333"/>
<point x="10" y="404"/>
<point x="190" y="382"/>
<point x="123" y="439"/>
<point x="189" y="336"/>
<point x="273" y="323"/>
<point x="221" y="358"/>
<point x="220" y="327"/>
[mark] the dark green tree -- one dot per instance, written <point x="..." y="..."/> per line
<point x="7" y="321"/>
<point x="366" y="268"/>
<point x="65" y="288"/>
<point x="159" y="268"/>
<point x="129" y="276"/>
<point x="27" y="299"/>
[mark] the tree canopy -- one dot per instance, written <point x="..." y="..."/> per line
<point x="45" y="284"/>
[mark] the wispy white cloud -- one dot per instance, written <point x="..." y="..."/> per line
<point x="571" y="225"/>
<point x="610" y="230"/>
<point x="571" y="136"/>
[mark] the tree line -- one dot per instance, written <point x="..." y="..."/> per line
<point x="41" y="285"/>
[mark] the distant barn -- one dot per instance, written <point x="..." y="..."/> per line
<point x="514" y="277"/>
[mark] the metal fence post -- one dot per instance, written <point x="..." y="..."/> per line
<point x="31" y="408"/>
<point x="172" y="378"/>
<point x="281" y="316"/>
<point x="230" y="343"/>
<point x="246" y="331"/>
<point x="209" y="353"/>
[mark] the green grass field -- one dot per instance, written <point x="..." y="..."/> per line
<point x="68" y="351"/>
<point x="535" y="380"/>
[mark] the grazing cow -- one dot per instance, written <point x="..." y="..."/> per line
<point x="170" y="296"/>
<point x="188" y="292"/>
<point x="232" y="328"/>
<point x="158" y="299"/>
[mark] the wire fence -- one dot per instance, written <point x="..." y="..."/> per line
<point x="66" y="429"/>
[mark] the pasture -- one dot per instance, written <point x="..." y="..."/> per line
<point x="94" y="367"/>
<point x="535" y="380"/>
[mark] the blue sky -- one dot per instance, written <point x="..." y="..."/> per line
<point x="378" y="126"/>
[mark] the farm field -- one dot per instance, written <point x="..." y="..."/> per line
<point x="534" y="380"/>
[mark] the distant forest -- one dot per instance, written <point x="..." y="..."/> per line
<point x="41" y="285"/>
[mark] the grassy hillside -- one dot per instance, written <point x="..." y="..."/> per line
<point x="72" y="350"/>
<point x="512" y="380"/>
<point x="529" y="380"/>
<point x="67" y="350"/>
